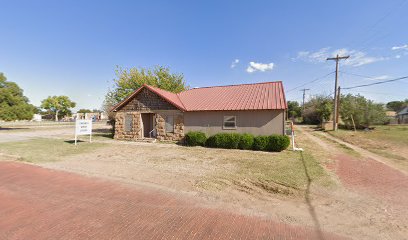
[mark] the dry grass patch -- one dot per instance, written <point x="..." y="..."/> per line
<point x="387" y="141"/>
<point x="46" y="150"/>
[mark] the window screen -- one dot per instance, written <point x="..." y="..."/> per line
<point x="169" y="124"/>
<point x="128" y="122"/>
<point x="230" y="122"/>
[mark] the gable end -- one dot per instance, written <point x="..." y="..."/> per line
<point x="146" y="100"/>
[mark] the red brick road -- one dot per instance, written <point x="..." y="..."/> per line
<point x="373" y="177"/>
<point x="37" y="203"/>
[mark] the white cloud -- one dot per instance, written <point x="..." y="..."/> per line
<point x="397" y="56"/>
<point x="234" y="63"/>
<point x="402" y="47"/>
<point x="262" y="67"/>
<point x="382" y="77"/>
<point x="357" y="58"/>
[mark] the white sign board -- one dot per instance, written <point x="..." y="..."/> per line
<point x="83" y="127"/>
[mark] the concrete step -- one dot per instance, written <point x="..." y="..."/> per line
<point x="150" y="140"/>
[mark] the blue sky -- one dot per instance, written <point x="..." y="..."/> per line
<point x="72" y="47"/>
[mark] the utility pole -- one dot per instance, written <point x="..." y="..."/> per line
<point x="304" y="95"/>
<point x="336" y="84"/>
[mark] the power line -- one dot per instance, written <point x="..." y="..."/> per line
<point x="359" y="75"/>
<point x="376" y="83"/>
<point x="314" y="80"/>
<point x="381" y="93"/>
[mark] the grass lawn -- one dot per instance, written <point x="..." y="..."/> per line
<point x="388" y="141"/>
<point x="286" y="172"/>
<point x="46" y="150"/>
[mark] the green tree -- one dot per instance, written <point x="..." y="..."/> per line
<point x="128" y="80"/>
<point x="58" y="105"/>
<point x="318" y="109"/>
<point x="364" y="112"/>
<point x="294" y="110"/>
<point x="397" y="105"/>
<point x="84" y="111"/>
<point x="13" y="104"/>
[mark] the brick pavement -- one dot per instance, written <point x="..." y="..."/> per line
<point x="372" y="177"/>
<point x="38" y="203"/>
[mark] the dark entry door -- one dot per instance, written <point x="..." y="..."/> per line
<point x="147" y="119"/>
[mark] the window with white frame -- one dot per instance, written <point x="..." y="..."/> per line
<point x="230" y="122"/>
<point x="169" y="123"/>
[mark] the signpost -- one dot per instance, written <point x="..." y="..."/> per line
<point x="83" y="127"/>
<point x="292" y="128"/>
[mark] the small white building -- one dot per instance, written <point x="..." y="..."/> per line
<point x="402" y="116"/>
<point x="37" y="118"/>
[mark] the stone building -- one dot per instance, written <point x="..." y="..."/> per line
<point x="151" y="112"/>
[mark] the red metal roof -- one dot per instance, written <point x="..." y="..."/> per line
<point x="256" y="96"/>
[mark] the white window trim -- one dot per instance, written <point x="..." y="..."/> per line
<point x="229" y="128"/>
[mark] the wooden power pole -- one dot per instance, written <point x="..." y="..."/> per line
<point x="304" y="96"/>
<point x="336" y="84"/>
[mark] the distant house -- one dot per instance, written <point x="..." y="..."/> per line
<point x="150" y="112"/>
<point x="402" y="116"/>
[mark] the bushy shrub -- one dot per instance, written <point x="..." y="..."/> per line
<point x="277" y="143"/>
<point x="195" y="138"/>
<point x="261" y="143"/>
<point x="246" y="141"/>
<point x="224" y="140"/>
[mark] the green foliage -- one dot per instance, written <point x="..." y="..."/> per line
<point x="224" y="140"/>
<point x="318" y="109"/>
<point x="397" y="105"/>
<point x="58" y="105"/>
<point x="195" y="138"/>
<point x="294" y="110"/>
<point x="278" y="143"/>
<point x="274" y="143"/>
<point x="13" y="104"/>
<point x="84" y="111"/>
<point x="128" y="80"/>
<point x="246" y="141"/>
<point x="365" y="112"/>
<point x="261" y="143"/>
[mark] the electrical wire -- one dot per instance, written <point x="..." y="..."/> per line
<point x="376" y="83"/>
<point x="314" y="80"/>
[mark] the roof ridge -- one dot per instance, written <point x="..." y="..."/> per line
<point x="232" y="85"/>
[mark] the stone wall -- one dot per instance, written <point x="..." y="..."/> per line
<point x="177" y="134"/>
<point x="147" y="100"/>
<point x="136" y="131"/>
<point x="160" y="122"/>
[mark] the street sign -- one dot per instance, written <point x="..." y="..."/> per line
<point x="83" y="127"/>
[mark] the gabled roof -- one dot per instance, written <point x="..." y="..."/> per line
<point x="256" y="96"/>
<point x="403" y="111"/>
<point x="170" y="97"/>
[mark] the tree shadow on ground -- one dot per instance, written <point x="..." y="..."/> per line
<point x="308" y="201"/>
<point x="12" y="128"/>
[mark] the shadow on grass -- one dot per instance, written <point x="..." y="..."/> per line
<point x="312" y="210"/>
<point x="73" y="141"/>
<point x="12" y="128"/>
